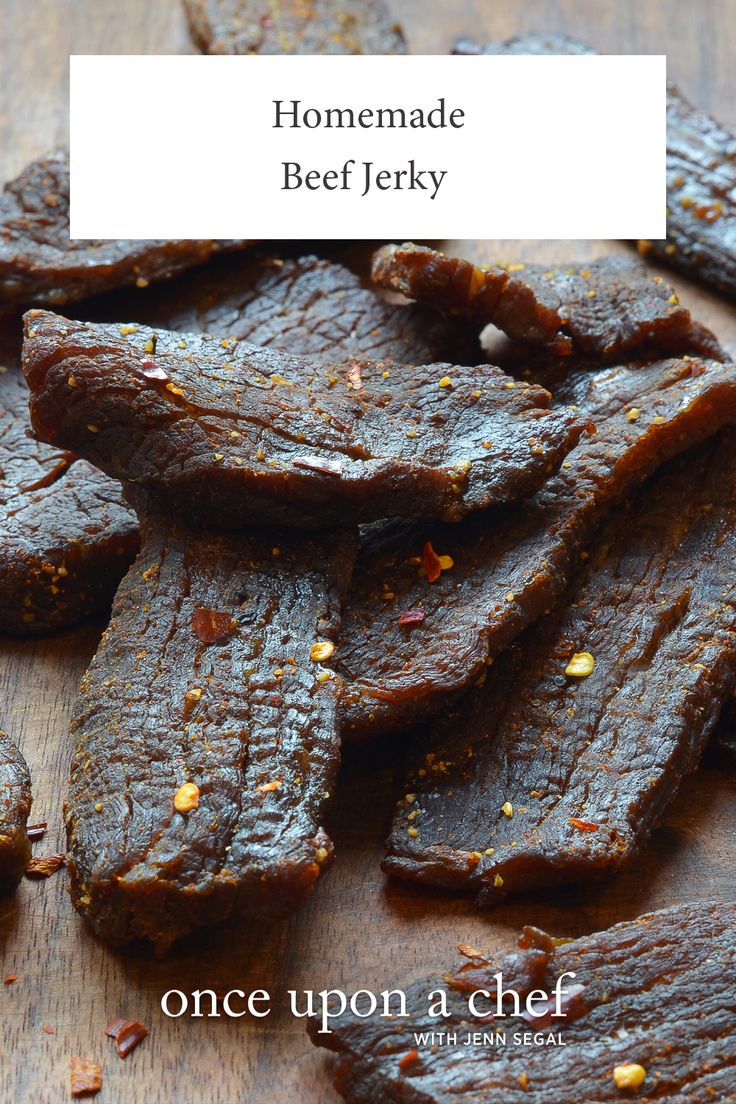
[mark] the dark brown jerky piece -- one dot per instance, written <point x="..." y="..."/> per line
<point x="294" y="27"/>
<point x="304" y="305"/>
<point x="509" y="566"/>
<point x="39" y="263"/>
<point x="701" y="185"/>
<point x="15" y="805"/>
<point x="557" y="768"/>
<point x="657" y="992"/>
<point x="66" y="536"/>
<point x="247" y="726"/>
<point x="241" y="433"/>
<point x="605" y="308"/>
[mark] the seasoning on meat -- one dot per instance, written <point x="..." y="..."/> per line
<point x="306" y="306"/>
<point x="510" y="566"/>
<point x="242" y="432"/>
<point x="605" y="308"/>
<point x="293" y="27"/>
<point x="228" y="720"/>
<point x="40" y="263"/>
<point x="652" y="1015"/>
<point x="15" y="805"/>
<point x="655" y="603"/>
<point x="66" y="536"/>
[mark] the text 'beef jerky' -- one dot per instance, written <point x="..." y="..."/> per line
<point x="15" y="805"/>
<point x="206" y="733"/>
<point x="558" y="767"/>
<point x="66" y="536"/>
<point x="646" y="1014"/>
<point x="430" y="605"/>
<point x="238" y="434"/>
<point x="293" y="27"/>
<point x="39" y="263"/>
<point x="603" y="308"/>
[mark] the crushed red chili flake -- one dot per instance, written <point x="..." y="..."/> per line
<point x="319" y="464"/>
<point x="86" y="1077"/>
<point x="43" y="866"/>
<point x="127" y="1035"/>
<point x="49" y="1029"/>
<point x="354" y="377"/>
<point x="36" y="831"/>
<point x="431" y="563"/>
<point x="9" y="979"/>
<point x="583" y="825"/>
<point x="409" y="1059"/>
<point x="211" y="626"/>
<point x="412" y="617"/>
<point x="153" y="371"/>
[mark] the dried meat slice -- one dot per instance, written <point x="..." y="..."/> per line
<point x="604" y="308"/>
<point x="206" y="732"/>
<point x="236" y="434"/>
<point x="557" y="769"/>
<point x="39" y="263"/>
<point x="15" y="805"/>
<point x="66" y="535"/>
<point x="302" y="305"/>
<point x="294" y="27"/>
<point x="701" y="185"/>
<point x="409" y="646"/>
<point x="649" y="1006"/>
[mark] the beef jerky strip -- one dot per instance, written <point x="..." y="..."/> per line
<point x="39" y="263"/>
<point x="294" y="27"/>
<point x="650" y="1008"/>
<point x="701" y="176"/>
<point x="306" y="306"/>
<point x="66" y="536"/>
<point x="605" y="308"/>
<point x="701" y="186"/>
<point x="235" y="434"/>
<point x="408" y="646"/>
<point x="557" y="769"/>
<point x="15" y="805"/>
<point x="206" y="736"/>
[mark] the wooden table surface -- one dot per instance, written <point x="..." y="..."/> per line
<point x="358" y="930"/>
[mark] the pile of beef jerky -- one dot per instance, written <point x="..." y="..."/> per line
<point x="338" y="520"/>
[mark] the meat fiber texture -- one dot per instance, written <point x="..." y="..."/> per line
<point x="66" y="535"/>
<point x="556" y="769"/>
<point x="509" y="565"/>
<point x="206" y="677"/>
<point x="604" y="308"/>
<point x="238" y="434"/>
<point x="304" y="305"/>
<point x="293" y="27"/>
<point x="654" y="992"/>
<point x="15" y="805"/>
<point x="39" y="263"/>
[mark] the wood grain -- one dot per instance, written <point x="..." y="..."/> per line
<point x="358" y="930"/>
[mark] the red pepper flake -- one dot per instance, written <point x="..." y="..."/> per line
<point x="153" y="371"/>
<point x="49" y="1029"/>
<point x="412" y="617"/>
<point x="127" y="1035"/>
<point x="354" y="377"/>
<point x="86" y="1077"/>
<point x="211" y="626"/>
<point x="36" y="831"/>
<point x="583" y="825"/>
<point x="269" y="787"/>
<point x="319" y="464"/>
<point x="43" y="866"/>
<point x="431" y="561"/>
<point x="408" y="1060"/>
<point x="9" y="979"/>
